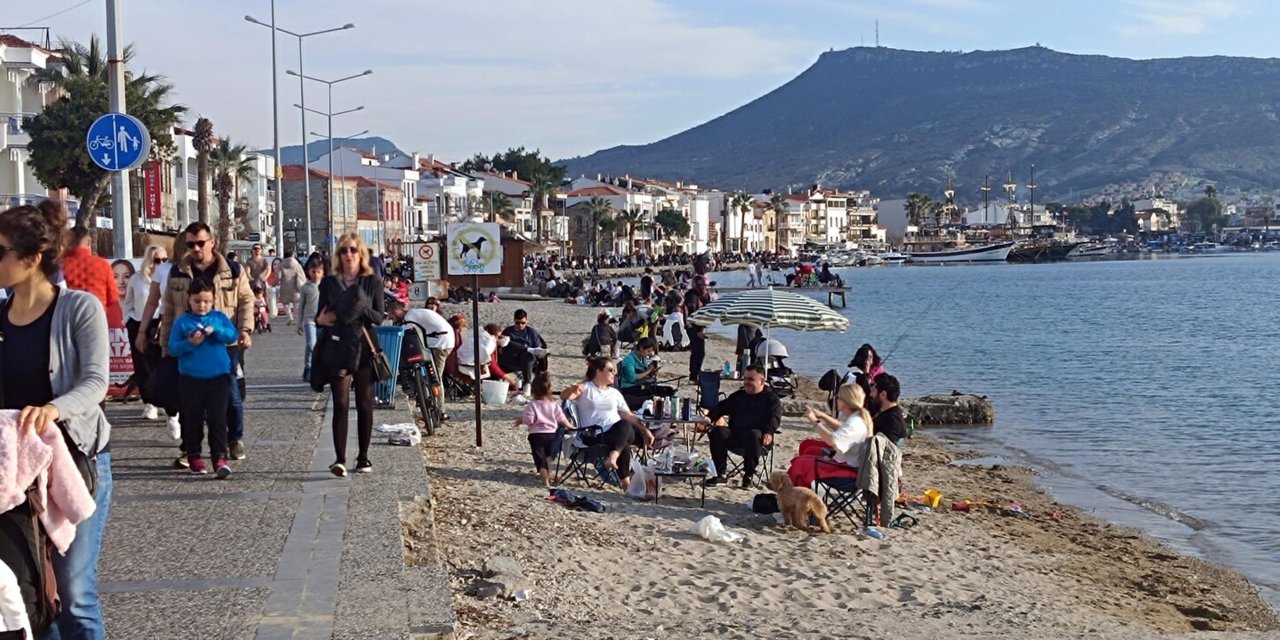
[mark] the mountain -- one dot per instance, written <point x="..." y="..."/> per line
<point x="897" y="121"/>
<point x="293" y="154"/>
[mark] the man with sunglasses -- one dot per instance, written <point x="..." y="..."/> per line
<point x="525" y="353"/>
<point x="232" y="296"/>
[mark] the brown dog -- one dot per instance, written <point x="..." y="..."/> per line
<point x="798" y="503"/>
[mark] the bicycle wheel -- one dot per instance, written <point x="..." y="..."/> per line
<point x="424" y="400"/>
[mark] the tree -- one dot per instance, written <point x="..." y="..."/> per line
<point x="629" y="220"/>
<point x="918" y="205"/>
<point x="501" y="205"/>
<point x="203" y="143"/>
<point x="742" y="202"/>
<point x="672" y="224"/>
<point x="543" y="183"/>
<point x="1205" y="213"/>
<point x="58" y="157"/>
<point x="1210" y="191"/>
<point x="230" y="167"/>
<point x="542" y="175"/>
<point x="600" y="211"/>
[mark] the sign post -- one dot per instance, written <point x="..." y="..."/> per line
<point x="118" y="142"/>
<point x="474" y="249"/>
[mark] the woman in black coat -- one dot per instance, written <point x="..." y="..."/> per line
<point x="351" y="303"/>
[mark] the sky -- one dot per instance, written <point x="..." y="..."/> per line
<point x="571" y="77"/>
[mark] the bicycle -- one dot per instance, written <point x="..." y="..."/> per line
<point x="420" y="380"/>
<point x="100" y="141"/>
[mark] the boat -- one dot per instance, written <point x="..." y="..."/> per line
<point x="1042" y="251"/>
<point x="1091" y="250"/>
<point x="1210" y="247"/>
<point x="894" y="257"/>
<point x="995" y="252"/>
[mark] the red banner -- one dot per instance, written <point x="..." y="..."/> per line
<point x="152" y="196"/>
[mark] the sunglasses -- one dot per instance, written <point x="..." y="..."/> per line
<point x="158" y="260"/>
<point x="348" y="250"/>
<point x="196" y="244"/>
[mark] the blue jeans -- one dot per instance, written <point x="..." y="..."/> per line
<point x="77" y="572"/>
<point x="235" y="412"/>
<point x="309" y="331"/>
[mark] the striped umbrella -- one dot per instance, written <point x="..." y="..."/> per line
<point x="768" y="308"/>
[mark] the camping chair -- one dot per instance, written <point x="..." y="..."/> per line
<point x="762" y="471"/>
<point x="839" y="492"/>
<point x="585" y="454"/>
<point x="709" y="395"/>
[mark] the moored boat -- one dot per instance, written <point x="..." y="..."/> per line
<point x="995" y="252"/>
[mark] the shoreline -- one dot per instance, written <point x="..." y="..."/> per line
<point x="1059" y="571"/>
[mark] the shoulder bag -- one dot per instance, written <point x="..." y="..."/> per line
<point x="381" y="366"/>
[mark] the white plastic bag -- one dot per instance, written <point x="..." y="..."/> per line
<point x="712" y="529"/>
<point x="637" y="487"/>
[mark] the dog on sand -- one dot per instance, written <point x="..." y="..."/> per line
<point x="798" y="503"/>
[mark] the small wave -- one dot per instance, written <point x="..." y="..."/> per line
<point x="1155" y="506"/>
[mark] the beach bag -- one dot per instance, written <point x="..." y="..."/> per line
<point x="830" y="381"/>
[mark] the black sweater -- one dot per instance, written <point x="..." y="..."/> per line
<point x="762" y="411"/>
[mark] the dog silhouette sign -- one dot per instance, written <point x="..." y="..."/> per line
<point x="474" y="249"/>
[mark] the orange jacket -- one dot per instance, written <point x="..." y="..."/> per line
<point x="87" y="272"/>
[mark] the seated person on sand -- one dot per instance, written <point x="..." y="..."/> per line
<point x="638" y="374"/>
<point x="863" y="368"/>
<point x="601" y="405"/>
<point x="632" y="323"/>
<point x="602" y="340"/>
<point x="490" y="341"/>
<point x="673" y="328"/>
<point x="842" y="440"/>
<point x="526" y="352"/>
<point x="754" y="414"/>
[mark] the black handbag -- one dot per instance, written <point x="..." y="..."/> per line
<point x="381" y="366"/>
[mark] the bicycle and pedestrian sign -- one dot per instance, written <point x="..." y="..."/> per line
<point x="118" y="142"/>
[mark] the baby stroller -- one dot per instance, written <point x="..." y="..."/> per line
<point x="261" y="319"/>
<point x="778" y="375"/>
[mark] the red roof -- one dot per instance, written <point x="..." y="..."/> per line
<point x="362" y="181"/>
<point x="291" y="172"/>
<point x="18" y="43"/>
<point x="606" y="190"/>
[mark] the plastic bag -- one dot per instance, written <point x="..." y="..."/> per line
<point x="712" y="529"/>
<point x="637" y="487"/>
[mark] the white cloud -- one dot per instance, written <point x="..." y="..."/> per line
<point x="1179" y="17"/>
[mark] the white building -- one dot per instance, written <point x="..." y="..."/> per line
<point x="257" y="195"/>
<point x="20" y="99"/>
<point x="397" y="170"/>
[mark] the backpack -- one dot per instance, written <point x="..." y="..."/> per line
<point x="830" y="381"/>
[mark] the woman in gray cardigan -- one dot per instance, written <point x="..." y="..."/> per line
<point x="53" y="367"/>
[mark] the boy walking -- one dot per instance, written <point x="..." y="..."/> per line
<point x="199" y="340"/>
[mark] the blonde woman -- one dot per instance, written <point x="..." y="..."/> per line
<point x="147" y="340"/>
<point x="351" y="300"/>
<point x="841" y="439"/>
<point x="135" y="305"/>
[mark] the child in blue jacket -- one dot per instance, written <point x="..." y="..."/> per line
<point x="199" y="341"/>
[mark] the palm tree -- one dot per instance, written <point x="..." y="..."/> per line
<point x="230" y="167"/>
<point x="918" y="205"/>
<point x="83" y="75"/>
<point x="203" y="143"/>
<point x="742" y="202"/>
<point x="630" y="220"/>
<point x="501" y="205"/>
<point x="778" y="202"/>
<point x="1210" y="191"/>
<point x="542" y="185"/>
<point x="601" y="212"/>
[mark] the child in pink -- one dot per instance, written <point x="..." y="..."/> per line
<point x="542" y="416"/>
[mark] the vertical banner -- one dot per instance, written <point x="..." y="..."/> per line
<point x="151" y="198"/>
<point x="120" y="365"/>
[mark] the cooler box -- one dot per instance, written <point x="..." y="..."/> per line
<point x="389" y="338"/>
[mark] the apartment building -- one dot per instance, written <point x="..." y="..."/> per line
<point x="21" y="98"/>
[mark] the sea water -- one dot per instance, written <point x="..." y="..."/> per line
<point x="1146" y="391"/>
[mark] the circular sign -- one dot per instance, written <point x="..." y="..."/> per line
<point x="425" y="252"/>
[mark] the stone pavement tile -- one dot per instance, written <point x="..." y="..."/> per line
<point x="226" y="614"/>
<point x="194" y="539"/>
<point x="375" y="608"/>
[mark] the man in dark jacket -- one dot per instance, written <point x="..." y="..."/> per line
<point x="754" y="414"/>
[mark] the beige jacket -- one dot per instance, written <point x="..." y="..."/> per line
<point x="233" y="297"/>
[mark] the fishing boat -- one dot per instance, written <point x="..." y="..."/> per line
<point x="1091" y="250"/>
<point x="1042" y="251"/>
<point x="994" y="252"/>
<point x="894" y="257"/>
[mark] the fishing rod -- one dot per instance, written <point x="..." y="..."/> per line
<point x="912" y="323"/>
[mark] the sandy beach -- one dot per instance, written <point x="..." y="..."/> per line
<point x="637" y="572"/>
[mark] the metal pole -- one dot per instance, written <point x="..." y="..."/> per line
<point x="329" y="237"/>
<point x="306" y="153"/>
<point x="475" y="343"/>
<point x="121" y="230"/>
<point x="275" y="135"/>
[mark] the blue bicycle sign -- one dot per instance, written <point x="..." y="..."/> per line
<point x="118" y="142"/>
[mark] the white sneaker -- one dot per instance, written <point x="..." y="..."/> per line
<point x="150" y="413"/>
<point x="521" y="399"/>
<point x="175" y="428"/>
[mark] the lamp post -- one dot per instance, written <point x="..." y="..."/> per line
<point x="330" y="114"/>
<point x="343" y="170"/>
<point x="302" y="93"/>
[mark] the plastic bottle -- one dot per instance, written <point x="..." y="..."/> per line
<point x="726" y="372"/>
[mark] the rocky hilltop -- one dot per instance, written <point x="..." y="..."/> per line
<point x="898" y="121"/>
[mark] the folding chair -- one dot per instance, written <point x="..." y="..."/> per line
<point x="709" y="395"/>
<point x="839" y="492"/>
<point x="586" y="455"/>
<point x="762" y="471"/>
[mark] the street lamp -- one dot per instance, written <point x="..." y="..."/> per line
<point x="343" y="170"/>
<point x="330" y="115"/>
<point x="306" y="156"/>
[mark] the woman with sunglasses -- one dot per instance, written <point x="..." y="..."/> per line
<point x="53" y="368"/>
<point x="351" y="301"/>
<point x="135" y="305"/>
<point x="600" y="404"/>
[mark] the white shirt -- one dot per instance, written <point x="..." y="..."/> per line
<point x="135" y="297"/>
<point x="431" y="322"/>
<point x="467" y="352"/>
<point x="161" y="276"/>
<point x="13" y="612"/>
<point x="599" y="406"/>
<point x="851" y="441"/>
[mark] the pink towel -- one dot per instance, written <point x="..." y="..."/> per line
<point x="25" y="458"/>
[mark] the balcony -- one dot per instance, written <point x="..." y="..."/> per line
<point x="15" y="134"/>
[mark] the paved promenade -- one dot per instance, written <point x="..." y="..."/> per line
<point x="280" y="550"/>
